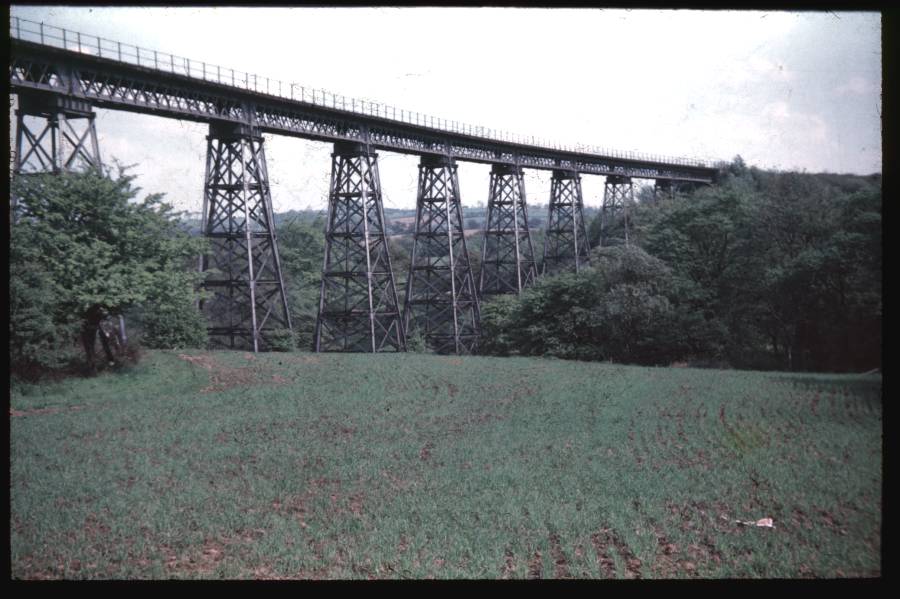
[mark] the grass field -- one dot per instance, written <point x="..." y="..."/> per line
<point x="232" y="465"/>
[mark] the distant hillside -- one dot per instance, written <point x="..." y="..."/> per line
<point x="399" y="220"/>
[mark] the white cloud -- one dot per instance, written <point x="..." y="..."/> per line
<point x="858" y="86"/>
<point x="768" y="69"/>
<point x="805" y="126"/>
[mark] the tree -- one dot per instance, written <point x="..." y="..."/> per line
<point x="84" y="243"/>
<point x="762" y="270"/>
<point x="820" y="246"/>
<point x="39" y="339"/>
<point x="706" y="238"/>
<point x="785" y="266"/>
<point x="624" y="308"/>
<point x="301" y="247"/>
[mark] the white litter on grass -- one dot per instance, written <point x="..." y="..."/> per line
<point x="762" y="522"/>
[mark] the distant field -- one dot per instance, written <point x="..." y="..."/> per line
<point x="230" y="465"/>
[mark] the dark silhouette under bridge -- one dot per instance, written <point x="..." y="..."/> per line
<point x="60" y="76"/>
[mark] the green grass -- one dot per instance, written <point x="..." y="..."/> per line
<point x="415" y="466"/>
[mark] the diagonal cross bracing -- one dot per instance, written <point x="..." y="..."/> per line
<point x="54" y="135"/>
<point x="507" y="256"/>
<point x="668" y="189"/>
<point x="243" y="271"/>
<point x="618" y="195"/>
<point x="358" y="306"/>
<point x="565" y="243"/>
<point x="441" y="300"/>
<point x="180" y="88"/>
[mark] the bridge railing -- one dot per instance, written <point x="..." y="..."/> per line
<point x="57" y="37"/>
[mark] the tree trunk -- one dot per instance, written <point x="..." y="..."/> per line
<point x="88" y="337"/>
<point x="104" y="340"/>
<point x="89" y="330"/>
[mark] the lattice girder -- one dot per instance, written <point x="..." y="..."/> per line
<point x="243" y="270"/>
<point x="358" y="305"/>
<point x="565" y="242"/>
<point x="54" y="134"/>
<point x="164" y="90"/>
<point x="507" y="263"/>
<point x="618" y="196"/>
<point x="441" y="298"/>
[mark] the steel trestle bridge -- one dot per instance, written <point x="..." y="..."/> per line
<point x="59" y="76"/>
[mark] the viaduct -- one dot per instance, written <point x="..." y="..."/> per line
<point x="60" y="76"/>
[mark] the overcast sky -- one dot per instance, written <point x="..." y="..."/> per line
<point x="783" y="90"/>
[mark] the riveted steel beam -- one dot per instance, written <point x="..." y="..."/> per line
<point x="507" y="255"/>
<point x="54" y="133"/>
<point x="167" y="91"/>
<point x="441" y="299"/>
<point x="565" y="241"/>
<point x="248" y="307"/>
<point x="618" y="196"/>
<point x="358" y="306"/>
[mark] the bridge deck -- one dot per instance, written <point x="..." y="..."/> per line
<point x="96" y="70"/>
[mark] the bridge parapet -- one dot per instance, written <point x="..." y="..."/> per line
<point x="183" y="87"/>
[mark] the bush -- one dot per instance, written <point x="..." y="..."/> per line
<point x="625" y="309"/>
<point x="81" y="250"/>
<point x="173" y="325"/>
<point x="40" y="337"/>
<point x="279" y="340"/>
<point x="415" y="342"/>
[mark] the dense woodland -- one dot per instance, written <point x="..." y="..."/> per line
<point x="763" y="270"/>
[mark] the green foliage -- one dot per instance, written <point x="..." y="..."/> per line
<point x="762" y="270"/>
<point x="301" y="248"/>
<point x="83" y="241"/>
<point x="637" y="307"/>
<point x="820" y="253"/>
<point x="400" y="251"/>
<point x="170" y="318"/>
<point x="499" y="333"/>
<point x="553" y="318"/>
<point x="784" y="267"/>
<point x="281" y="340"/>
<point x="40" y="333"/>
<point x="415" y="342"/>
<point x="623" y="310"/>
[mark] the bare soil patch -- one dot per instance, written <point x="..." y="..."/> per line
<point x="535" y="566"/>
<point x="223" y="378"/>
<point x="559" y="558"/>
<point x="602" y="542"/>
<point x="43" y="411"/>
<point x="509" y="565"/>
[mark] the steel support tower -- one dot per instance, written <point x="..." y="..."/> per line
<point x="65" y="138"/>
<point x="358" y="306"/>
<point x="667" y="188"/>
<point x="507" y="255"/>
<point x="62" y="137"/>
<point x="248" y="303"/>
<point x="618" y="195"/>
<point x="566" y="241"/>
<point x="441" y="299"/>
<point x="664" y="189"/>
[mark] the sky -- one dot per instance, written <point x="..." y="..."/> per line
<point x="789" y="91"/>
